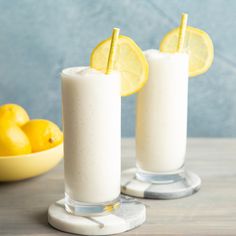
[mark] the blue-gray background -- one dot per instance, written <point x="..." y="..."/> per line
<point x="39" y="38"/>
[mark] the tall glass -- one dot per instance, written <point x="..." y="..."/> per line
<point x="161" y="125"/>
<point x="92" y="122"/>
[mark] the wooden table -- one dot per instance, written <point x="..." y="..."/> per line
<point x="212" y="211"/>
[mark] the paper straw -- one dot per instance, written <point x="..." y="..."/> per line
<point x="112" y="52"/>
<point x="182" y="31"/>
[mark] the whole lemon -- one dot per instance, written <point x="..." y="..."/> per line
<point x="13" y="140"/>
<point x="15" y="113"/>
<point x="43" y="134"/>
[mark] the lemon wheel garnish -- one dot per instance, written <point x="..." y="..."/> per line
<point x="197" y="44"/>
<point x="129" y="61"/>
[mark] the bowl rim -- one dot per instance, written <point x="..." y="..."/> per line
<point x="32" y="154"/>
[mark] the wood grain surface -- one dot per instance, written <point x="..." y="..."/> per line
<point x="211" y="211"/>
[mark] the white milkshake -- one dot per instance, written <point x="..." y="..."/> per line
<point x="91" y="118"/>
<point x="161" y="125"/>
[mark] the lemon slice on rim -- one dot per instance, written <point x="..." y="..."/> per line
<point x="198" y="45"/>
<point x="129" y="61"/>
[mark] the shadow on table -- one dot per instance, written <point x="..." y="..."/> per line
<point x="42" y="219"/>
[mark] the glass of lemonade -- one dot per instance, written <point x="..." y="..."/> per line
<point x="91" y="122"/>
<point x="161" y="115"/>
<point x="161" y="125"/>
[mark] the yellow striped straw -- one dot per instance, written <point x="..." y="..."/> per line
<point x="112" y="52"/>
<point x="182" y="31"/>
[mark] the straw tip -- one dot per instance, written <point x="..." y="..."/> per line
<point x="184" y="14"/>
<point x="116" y="29"/>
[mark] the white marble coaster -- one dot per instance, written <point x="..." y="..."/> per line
<point x="130" y="214"/>
<point x="188" y="185"/>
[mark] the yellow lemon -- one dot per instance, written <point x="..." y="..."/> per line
<point x="43" y="134"/>
<point x="129" y="61"/>
<point x="198" y="45"/>
<point x="13" y="140"/>
<point x="15" y="113"/>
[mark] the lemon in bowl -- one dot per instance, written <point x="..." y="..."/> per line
<point x="13" y="141"/>
<point x="43" y="134"/>
<point x="14" y="113"/>
<point x="27" y="147"/>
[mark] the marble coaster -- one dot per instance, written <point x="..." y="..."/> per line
<point x="188" y="185"/>
<point x="130" y="214"/>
